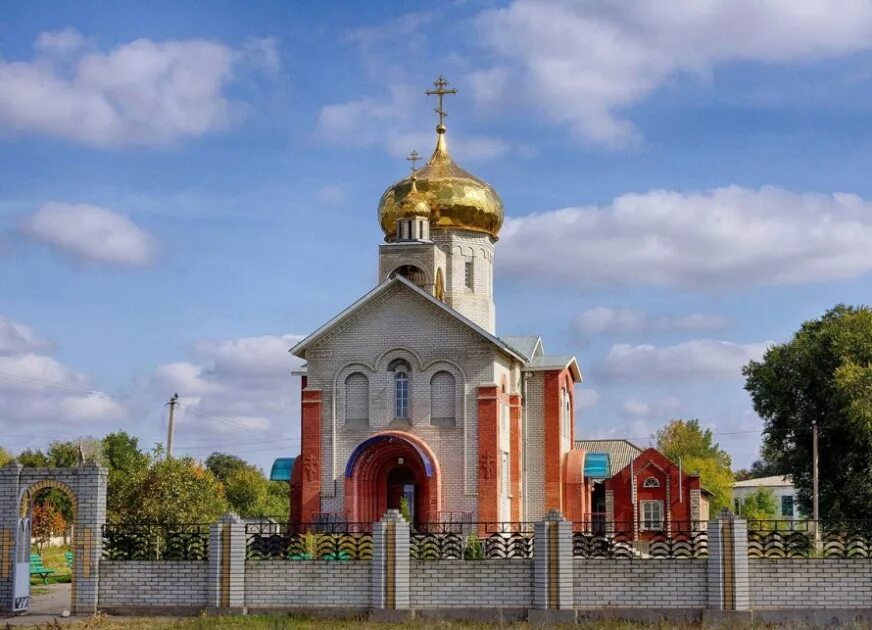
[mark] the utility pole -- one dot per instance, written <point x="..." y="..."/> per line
<point x="173" y="401"/>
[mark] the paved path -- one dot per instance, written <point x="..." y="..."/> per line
<point x="44" y="607"/>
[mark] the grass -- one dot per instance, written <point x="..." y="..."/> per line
<point x="53" y="558"/>
<point x="102" y="622"/>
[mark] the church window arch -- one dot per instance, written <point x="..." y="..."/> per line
<point x="443" y="399"/>
<point x="402" y="385"/>
<point x="651" y="482"/>
<point x="412" y="273"/>
<point x="440" y="285"/>
<point x="356" y="398"/>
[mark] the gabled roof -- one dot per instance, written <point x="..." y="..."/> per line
<point x="620" y="452"/>
<point x="768" y="482"/>
<point x="525" y="344"/>
<point x="397" y="280"/>
<point x="555" y="362"/>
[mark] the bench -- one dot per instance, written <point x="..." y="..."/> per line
<point x="68" y="555"/>
<point x="36" y="568"/>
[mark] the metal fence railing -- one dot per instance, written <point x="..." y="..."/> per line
<point x="472" y="540"/>
<point x="155" y="541"/>
<point x="321" y="540"/>
<point x="791" y="538"/>
<point x="641" y="539"/>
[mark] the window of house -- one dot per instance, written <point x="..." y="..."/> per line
<point x="504" y="479"/>
<point x="467" y="274"/>
<point x="504" y="418"/>
<point x="443" y="401"/>
<point x="402" y="372"/>
<point x="652" y="515"/>
<point x="651" y="482"/>
<point x="787" y="506"/>
<point x="566" y="411"/>
<point x="356" y="398"/>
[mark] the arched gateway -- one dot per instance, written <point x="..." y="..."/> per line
<point x="86" y="489"/>
<point x="389" y="467"/>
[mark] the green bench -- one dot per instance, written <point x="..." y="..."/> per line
<point x="36" y="568"/>
<point x="69" y="557"/>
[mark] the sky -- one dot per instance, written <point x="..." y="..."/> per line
<point x="187" y="189"/>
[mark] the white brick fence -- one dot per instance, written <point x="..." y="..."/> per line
<point x="552" y="585"/>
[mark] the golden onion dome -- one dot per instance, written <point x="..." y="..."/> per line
<point x="455" y="198"/>
<point x="414" y="204"/>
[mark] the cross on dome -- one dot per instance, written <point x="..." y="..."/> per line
<point x="440" y="91"/>
<point x="413" y="157"/>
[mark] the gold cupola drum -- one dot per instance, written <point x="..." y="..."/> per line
<point x="456" y="198"/>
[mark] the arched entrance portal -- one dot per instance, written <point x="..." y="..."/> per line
<point x="85" y="487"/>
<point x="387" y="468"/>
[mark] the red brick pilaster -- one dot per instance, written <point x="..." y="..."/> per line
<point x="488" y="454"/>
<point x="310" y="455"/>
<point x="553" y="458"/>
<point x="515" y="484"/>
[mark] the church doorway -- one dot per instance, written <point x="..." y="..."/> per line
<point x="401" y="489"/>
<point x="388" y="470"/>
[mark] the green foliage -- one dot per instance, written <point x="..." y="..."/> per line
<point x="5" y="457"/>
<point x="248" y="491"/>
<point x="33" y="459"/>
<point x="126" y="464"/>
<point x="823" y="375"/>
<point x="474" y="549"/>
<point x="699" y="453"/>
<point x="404" y="510"/>
<point x="760" y="505"/>
<point x="176" y="491"/>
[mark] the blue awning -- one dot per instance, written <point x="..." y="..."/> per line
<point x="596" y="465"/>
<point x="281" y="469"/>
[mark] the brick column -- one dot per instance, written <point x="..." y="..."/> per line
<point x="8" y="524"/>
<point x="488" y="454"/>
<point x="310" y="455"/>
<point x="552" y="570"/>
<point x="227" y="542"/>
<point x="728" y="579"/>
<point x="553" y="440"/>
<point x="88" y="535"/>
<point x="390" y="567"/>
<point x="515" y="449"/>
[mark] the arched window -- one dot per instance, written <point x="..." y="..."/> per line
<point x="356" y="399"/>
<point x="566" y="412"/>
<point x="443" y="403"/>
<point x="651" y="482"/>
<point x="440" y="285"/>
<point x="413" y="273"/>
<point x="402" y="376"/>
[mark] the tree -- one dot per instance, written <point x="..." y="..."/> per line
<point x="33" y="459"/>
<point x="248" y="491"/>
<point x="5" y="457"/>
<point x="823" y="375"/>
<point x="126" y="463"/>
<point x="685" y="440"/>
<point x="47" y="521"/>
<point x="760" y="505"/>
<point x="176" y="490"/>
<point x="223" y="465"/>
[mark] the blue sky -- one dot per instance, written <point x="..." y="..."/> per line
<point x="188" y="189"/>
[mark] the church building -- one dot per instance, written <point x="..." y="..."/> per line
<point x="410" y="393"/>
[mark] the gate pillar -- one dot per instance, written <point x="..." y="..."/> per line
<point x="9" y="513"/>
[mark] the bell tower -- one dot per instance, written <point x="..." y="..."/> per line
<point x="441" y="224"/>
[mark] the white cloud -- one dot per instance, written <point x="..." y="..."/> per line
<point x="16" y="338"/>
<point x="583" y="62"/>
<point x="91" y="233"/>
<point x="236" y="388"/>
<point x="37" y="389"/>
<point x="658" y="410"/>
<point x="585" y="397"/>
<point x="603" y="320"/>
<point x="139" y="93"/>
<point x="726" y="237"/>
<point x="388" y="124"/>
<point x="689" y="360"/>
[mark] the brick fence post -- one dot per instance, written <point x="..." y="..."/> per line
<point x="390" y="567"/>
<point x="227" y="541"/>
<point x="728" y="578"/>
<point x="552" y="570"/>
